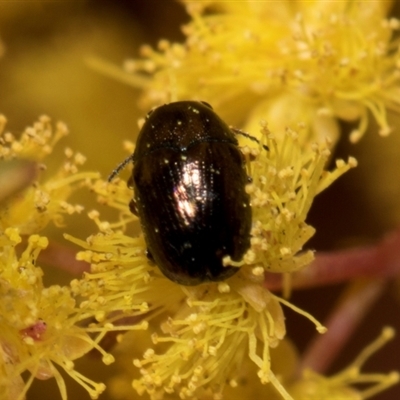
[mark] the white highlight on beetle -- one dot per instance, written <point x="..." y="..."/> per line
<point x="191" y="179"/>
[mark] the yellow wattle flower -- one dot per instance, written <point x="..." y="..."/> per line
<point x="43" y="200"/>
<point x="284" y="62"/>
<point x="39" y="326"/>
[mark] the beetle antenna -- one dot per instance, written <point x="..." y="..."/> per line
<point x="120" y="167"/>
<point x="245" y="134"/>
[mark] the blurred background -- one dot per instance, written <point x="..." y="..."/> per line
<point x="43" y="71"/>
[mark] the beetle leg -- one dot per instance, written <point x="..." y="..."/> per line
<point x="251" y="157"/>
<point x="150" y="256"/>
<point x="133" y="207"/>
<point x="129" y="183"/>
<point x="245" y="134"/>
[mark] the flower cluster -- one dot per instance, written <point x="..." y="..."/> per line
<point x="45" y="199"/>
<point x="321" y="60"/>
<point x="288" y="85"/>
<point x="40" y="327"/>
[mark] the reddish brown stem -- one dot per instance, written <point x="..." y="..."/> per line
<point x="379" y="260"/>
<point x="63" y="257"/>
<point x="341" y="324"/>
<point x="17" y="176"/>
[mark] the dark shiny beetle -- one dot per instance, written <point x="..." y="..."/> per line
<point x="189" y="192"/>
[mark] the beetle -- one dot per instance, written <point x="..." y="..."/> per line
<point x="189" y="183"/>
